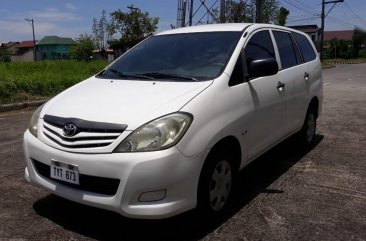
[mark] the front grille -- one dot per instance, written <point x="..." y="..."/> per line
<point x="87" y="134"/>
<point x="102" y="185"/>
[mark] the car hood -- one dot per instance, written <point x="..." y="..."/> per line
<point x="129" y="102"/>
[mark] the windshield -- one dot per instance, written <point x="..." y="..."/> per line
<point x="176" y="57"/>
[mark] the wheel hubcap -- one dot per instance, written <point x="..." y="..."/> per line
<point x="310" y="132"/>
<point x="220" y="185"/>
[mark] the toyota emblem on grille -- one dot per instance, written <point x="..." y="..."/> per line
<point x="70" y="130"/>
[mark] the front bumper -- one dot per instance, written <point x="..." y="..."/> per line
<point x="138" y="173"/>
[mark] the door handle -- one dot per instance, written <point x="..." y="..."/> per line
<point x="280" y="85"/>
<point x="306" y="76"/>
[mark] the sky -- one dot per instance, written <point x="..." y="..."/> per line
<point x="70" y="18"/>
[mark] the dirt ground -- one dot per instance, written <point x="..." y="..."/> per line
<point x="287" y="194"/>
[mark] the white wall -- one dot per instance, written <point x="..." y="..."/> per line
<point x="27" y="57"/>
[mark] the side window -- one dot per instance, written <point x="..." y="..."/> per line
<point x="306" y="49"/>
<point x="259" y="47"/>
<point x="288" y="52"/>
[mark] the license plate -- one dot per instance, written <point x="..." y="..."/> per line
<point x="64" y="172"/>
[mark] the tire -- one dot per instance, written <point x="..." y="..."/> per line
<point x="216" y="185"/>
<point x="308" y="130"/>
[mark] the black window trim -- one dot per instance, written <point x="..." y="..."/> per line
<point x="296" y="46"/>
<point x="241" y="55"/>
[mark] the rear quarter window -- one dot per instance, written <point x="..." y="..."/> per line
<point x="305" y="47"/>
<point x="289" y="54"/>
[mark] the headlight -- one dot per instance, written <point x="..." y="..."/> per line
<point x="158" y="134"/>
<point x="33" y="124"/>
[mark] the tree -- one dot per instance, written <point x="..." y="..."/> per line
<point x="133" y="26"/>
<point x="95" y="31"/>
<point x="239" y="12"/>
<point x="102" y="30"/>
<point x="83" y="50"/>
<point x="282" y="16"/>
<point x="266" y="10"/>
<point x="358" y="39"/>
<point x="5" y="55"/>
<point x="262" y="11"/>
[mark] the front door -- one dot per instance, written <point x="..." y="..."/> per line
<point x="264" y="98"/>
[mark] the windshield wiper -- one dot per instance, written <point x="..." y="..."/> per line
<point x="158" y="75"/>
<point x="123" y="75"/>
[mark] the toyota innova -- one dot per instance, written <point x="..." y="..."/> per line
<point x="167" y="126"/>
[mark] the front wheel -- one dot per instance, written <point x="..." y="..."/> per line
<point x="215" y="186"/>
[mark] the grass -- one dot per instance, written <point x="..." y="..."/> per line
<point x="24" y="81"/>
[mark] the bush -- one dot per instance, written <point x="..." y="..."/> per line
<point x="338" y="49"/>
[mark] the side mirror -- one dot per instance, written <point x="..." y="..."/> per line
<point x="262" y="67"/>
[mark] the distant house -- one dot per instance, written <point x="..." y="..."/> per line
<point x="345" y="35"/>
<point x="23" y="52"/>
<point x="312" y="30"/>
<point x="10" y="46"/>
<point x="54" y="47"/>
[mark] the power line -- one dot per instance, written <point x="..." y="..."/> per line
<point x="306" y="9"/>
<point x="209" y="9"/>
<point x="334" y="4"/>
<point x="196" y="10"/>
<point x="301" y="8"/>
<point x="304" y="19"/>
<point x="300" y="15"/>
<point x="363" y="20"/>
<point x="341" y="21"/>
<point x="306" y="6"/>
<point x="199" y="21"/>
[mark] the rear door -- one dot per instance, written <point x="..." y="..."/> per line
<point x="310" y="73"/>
<point x="291" y="74"/>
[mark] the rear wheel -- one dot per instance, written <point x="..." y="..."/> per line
<point x="307" y="132"/>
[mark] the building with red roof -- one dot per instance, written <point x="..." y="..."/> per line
<point x="23" y="52"/>
<point x="345" y="35"/>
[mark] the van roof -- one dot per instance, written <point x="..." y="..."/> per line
<point x="208" y="28"/>
<point x="221" y="27"/>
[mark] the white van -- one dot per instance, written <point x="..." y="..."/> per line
<point x="167" y="126"/>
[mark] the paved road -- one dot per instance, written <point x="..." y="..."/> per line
<point x="288" y="194"/>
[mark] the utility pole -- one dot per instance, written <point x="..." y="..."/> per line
<point x="222" y="11"/>
<point x="322" y="24"/>
<point x="34" y="38"/>
<point x="184" y="13"/>
<point x="190" y="13"/>
<point x="258" y="11"/>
